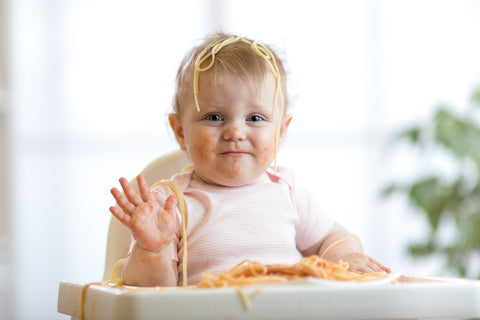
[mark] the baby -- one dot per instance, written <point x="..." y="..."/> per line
<point x="230" y="115"/>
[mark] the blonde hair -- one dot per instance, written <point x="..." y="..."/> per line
<point x="222" y="52"/>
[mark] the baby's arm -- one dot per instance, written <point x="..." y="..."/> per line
<point x="152" y="226"/>
<point x="339" y="244"/>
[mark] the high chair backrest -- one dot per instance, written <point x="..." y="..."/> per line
<point x="119" y="237"/>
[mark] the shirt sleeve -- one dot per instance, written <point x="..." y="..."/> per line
<point x="313" y="223"/>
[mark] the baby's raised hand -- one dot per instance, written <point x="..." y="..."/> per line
<point x="151" y="225"/>
<point x="361" y="263"/>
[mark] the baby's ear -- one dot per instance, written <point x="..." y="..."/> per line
<point x="177" y="128"/>
<point x="284" y="125"/>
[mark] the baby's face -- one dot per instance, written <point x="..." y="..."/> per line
<point x="231" y="141"/>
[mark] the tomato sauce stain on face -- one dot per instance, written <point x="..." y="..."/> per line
<point x="236" y="168"/>
<point x="266" y="156"/>
<point x="205" y="146"/>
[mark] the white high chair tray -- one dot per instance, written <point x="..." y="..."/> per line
<point x="410" y="298"/>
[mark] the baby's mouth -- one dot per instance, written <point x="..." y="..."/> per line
<point x="234" y="153"/>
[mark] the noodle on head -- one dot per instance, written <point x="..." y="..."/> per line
<point x="248" y="272"/>
<point x="260" y="50"/>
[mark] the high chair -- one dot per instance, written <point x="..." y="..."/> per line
<point x="119" y="237"/>
<point x="400" y="296"/>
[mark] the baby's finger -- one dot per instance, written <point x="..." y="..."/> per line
<point x="145" y="192"/>
<point x="171" y="204"/>
<point x="383" y="268"/>
<point x="380" y="266"/>
<point x="386" y="269"/>
<point x="122" y="202"/>
<point x="360" y="269"/>
<point x="130" y="193"/>
<point x="121" y="216"/>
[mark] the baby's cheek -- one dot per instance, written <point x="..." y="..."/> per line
<point x="204" y="146"/>
<point x="267" y="153"/>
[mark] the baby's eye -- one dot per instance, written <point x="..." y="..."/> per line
<point x="255" y="118"/>
<point x="214" y="117"/>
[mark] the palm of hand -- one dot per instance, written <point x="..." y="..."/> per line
<point x="151" y="225"/>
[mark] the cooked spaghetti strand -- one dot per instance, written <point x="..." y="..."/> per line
<point x="183" y="212"/>
<point x="338" y="242"/>
<point x="249" y="272"/>
<point x="83" y="297"/>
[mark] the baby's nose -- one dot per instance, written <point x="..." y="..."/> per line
<point x="234" y="132"/>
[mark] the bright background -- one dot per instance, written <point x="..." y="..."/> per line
<point x="85" y="87"/>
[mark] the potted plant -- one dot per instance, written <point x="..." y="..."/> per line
<point x="452" y="199"/>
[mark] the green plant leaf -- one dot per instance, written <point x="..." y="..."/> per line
<point x="390" y="189"/>
<point x="456" y="259"/>
<point x="421" y="249"/>
<point x="469" y="231"/>
<point x="475" y="98"/>
<point x="459" y="136"/>
<point x="412" y="135"/>
<point x="429" y="195"/>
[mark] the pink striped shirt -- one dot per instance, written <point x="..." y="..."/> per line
<point x="269" y="221"/>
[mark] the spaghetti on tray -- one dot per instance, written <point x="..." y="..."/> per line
<point x="248" y="272"/>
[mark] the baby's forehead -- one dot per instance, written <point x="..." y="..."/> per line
<point x="220" y="76"/>
<point x="228" y="90"/>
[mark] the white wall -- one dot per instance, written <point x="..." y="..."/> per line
<point x="91" y="81"/>
<point x="5" y="201"/>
